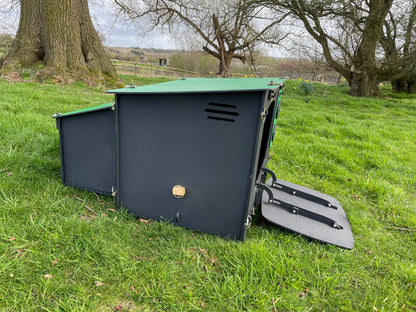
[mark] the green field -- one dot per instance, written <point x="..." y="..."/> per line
<point x="62" y="249"/>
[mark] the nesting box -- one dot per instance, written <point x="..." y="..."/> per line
<point x="87" y="141"/>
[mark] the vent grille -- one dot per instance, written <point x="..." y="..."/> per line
<point x="222" y="112"/>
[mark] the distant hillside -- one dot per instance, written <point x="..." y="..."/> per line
<point x="136" y="54"/>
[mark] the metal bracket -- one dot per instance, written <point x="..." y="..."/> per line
<point x="272" y="83"/>
<point x="297" y="192"/>
<point x="298" y="210"/>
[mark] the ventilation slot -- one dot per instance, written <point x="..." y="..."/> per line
<point x="223" y="112"/>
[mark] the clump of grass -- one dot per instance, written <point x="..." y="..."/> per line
<point x="63" y="249"/>
<point x="306" y="87"/>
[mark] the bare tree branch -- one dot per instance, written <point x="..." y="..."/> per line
<point x="229" y="29"/>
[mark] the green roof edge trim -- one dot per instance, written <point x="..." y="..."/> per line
<point x="205" y="85"/>
<point x="85" y="110"/>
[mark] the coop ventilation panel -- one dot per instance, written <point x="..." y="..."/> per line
<point x="222" y="112"/>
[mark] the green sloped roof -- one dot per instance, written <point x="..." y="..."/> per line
<point x="205" y="85"/>
<point x="191" y="85"/>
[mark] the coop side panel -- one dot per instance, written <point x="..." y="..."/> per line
<point x="202" y="142"/>
<point x="88" y="150"/>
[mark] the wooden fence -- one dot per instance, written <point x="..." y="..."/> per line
<point x="148" y="70"/>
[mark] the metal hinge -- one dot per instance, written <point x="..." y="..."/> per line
<point x="264" y="115"/>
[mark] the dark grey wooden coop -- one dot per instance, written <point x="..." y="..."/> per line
<point x="194" y="152"/>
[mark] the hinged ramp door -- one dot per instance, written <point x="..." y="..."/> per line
<point x="305" y="211"/>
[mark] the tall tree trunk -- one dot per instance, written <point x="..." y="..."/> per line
<point x="404" y="85"/>
<point x="364" y="61"/>
<point x="364" y="85"/>
<point x="411" y="86"/>
<point x="61" y="36"/>
<point x="225" y="64"/>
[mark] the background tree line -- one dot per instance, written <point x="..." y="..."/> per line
<point x="365" y="41"/>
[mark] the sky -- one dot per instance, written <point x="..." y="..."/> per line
<point x="121" y="34"/>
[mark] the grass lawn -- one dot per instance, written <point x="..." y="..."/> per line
<point x="56" y="255"/>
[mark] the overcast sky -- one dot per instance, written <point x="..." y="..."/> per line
<point x="120" y="34"/>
